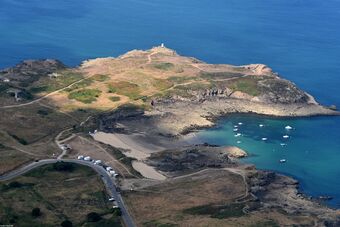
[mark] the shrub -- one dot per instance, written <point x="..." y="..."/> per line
<point x="93" y="217"/>
<point x="66" y="223"/>
<point x="43" y="112"/>
<point x="117" y="212"/>
<point x="15" y="184"/>
<point x="36" y="212"/>
<point x="63" y="166"/>
<point x="115" y="98"/>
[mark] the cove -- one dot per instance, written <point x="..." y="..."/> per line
<point x="312" y="151"/>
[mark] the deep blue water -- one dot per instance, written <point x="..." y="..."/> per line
<point x="297" y="38"/>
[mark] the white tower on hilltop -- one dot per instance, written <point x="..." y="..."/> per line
<point x="162" y="45"/>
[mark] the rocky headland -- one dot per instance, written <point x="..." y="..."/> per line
<point x="147" y="102"/>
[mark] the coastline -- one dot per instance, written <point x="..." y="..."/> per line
<point x="161" y="117"/>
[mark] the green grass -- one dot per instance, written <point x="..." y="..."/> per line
<point x="218" y="211"/>
<point x="114" y="98"/>
<point x="100" y="77"/>
<point x="161" y="85"/>
<point x="65" y="78"/>
<point x="219" y="75"/>
<point x="164" y="66"/>
<point x="125" y="88"/>
<point x="85" y="95"/>
<point x="247" y="85"/>
<point x="81" y="84"/>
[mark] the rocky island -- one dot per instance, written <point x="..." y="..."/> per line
<point x="135" y="113"/>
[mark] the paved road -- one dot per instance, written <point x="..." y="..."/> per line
<point x="108" y="181"/>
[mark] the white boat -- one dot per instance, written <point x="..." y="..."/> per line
<point x="238" y="134"/>
<point x="240" y="123"/>
<point x="283" y="144"/>
<point x="264" y="138"/>
<point x="261" y="125"/>
<point x="282" y="160"/>
<point x="285" y="136"/>
<point x="288" y="127"/>
<point x="235" y="129"/>
<point x="238" y="141"/>
<point x="235" y="126"/>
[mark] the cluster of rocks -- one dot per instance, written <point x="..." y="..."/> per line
<point x="29" y="71"/>
<point x="189" y="158"/>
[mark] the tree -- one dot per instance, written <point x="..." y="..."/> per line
<point x="93" y="217"/>
<point x="36" y="212"/>
<point x="66" y="223"/>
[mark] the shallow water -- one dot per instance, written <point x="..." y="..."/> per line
<point x="299" y="39"/>
<point x="311" y="151"/>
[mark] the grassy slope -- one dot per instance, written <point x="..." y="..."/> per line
<point x="61" y="195"/>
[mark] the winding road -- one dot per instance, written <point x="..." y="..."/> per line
<point x="107" y="179"/>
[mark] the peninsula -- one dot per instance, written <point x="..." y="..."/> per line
<point x="136" y="113"/>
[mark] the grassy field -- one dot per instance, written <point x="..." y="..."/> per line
<point x="61" y="192"/>
<point x="85" y="95"/>
<point x="247" y="85"/>
<point x="125" y="88"/>
<point x="83" y="84"/>
<point x="46" y="84"/>
<point x="31" y="123"/>
<point x="11" y="158"/>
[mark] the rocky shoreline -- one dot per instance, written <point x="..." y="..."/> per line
<point x="174" y="117"/>
<point x="168" y="124"/>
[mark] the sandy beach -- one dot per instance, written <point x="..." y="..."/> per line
<point x="132" y="148"/>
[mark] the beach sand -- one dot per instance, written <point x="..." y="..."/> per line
<point x="133" y="148"/>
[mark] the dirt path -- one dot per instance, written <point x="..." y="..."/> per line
<point x="243" y="175"/>
<point x="150" y="55"/>
<point x="59" y="142"/>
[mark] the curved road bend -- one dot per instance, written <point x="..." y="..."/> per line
<point x="108" y="181"/>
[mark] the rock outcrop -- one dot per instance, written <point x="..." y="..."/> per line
<point x="29" y="71"/>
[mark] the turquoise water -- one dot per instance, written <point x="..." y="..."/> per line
<point x="299" y="39"/>
<point x="311" y="151"/>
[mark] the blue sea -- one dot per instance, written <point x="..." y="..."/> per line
<point x="299" y="39"/>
